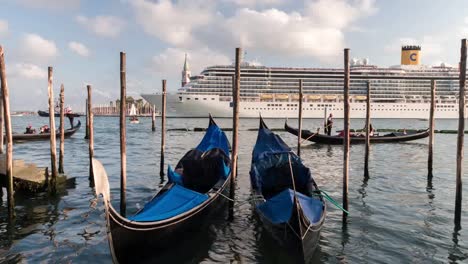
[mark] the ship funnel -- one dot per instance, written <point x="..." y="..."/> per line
<point x="410" y="55"/>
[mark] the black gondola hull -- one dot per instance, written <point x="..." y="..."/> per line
<point x="46" y="114"/>
<point x="300" y="243"/>
<point x="132" y="242"/>
<point x="336" y="140"/>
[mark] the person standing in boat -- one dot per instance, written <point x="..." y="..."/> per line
<point x="329" y="126"/>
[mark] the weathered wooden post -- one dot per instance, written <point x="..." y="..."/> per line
<point x="62" y="129"/>
<point x="153" y="119"/>
<point x="90" y="136"/>
<point x="87" y="120"/>
<point x="299" y="130"/>
<point x="460" y="138"/>
<point x="368" y="131"/>
<point x="235" y="129"/>
<point x="9" y="137"/>
<point x="163" y="128"/>
<point x="431" y="133"/>
<point x="53" y="145"/>
<point x="2" y="125"/>
<point x="123" y="138"/>
<point x="346" y="134"/>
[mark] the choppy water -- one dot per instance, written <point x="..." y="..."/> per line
<point x="395" y="217"/>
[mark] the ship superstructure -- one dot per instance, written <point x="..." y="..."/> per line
<point x="401" y="91"/>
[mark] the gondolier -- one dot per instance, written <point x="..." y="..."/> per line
<point x="329" y="125"/>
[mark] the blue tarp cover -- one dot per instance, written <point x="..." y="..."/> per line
<point x="278" y="209"/>
<point x="175" y="201"/>
<point x="268" y="143"/>
<point x="270" y="164"/>
<point x="214" y="138"/>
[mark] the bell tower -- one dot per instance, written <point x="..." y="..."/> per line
<point x="185" y="72"/>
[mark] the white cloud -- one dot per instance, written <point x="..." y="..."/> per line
<point x="279" y="32"/>
<point x="316" y="32"/>
<point x="338" y="13"/>
<point x="29" y="71"/>
<point x="3" y="26"/>
<point x="105" y="26"/>
<point x="78" y="48"/>
<point x="253" y="3"/>
<point x="50" y="4"/>
<point x="171" y="60"/>
<point x="34" y="47"/>
<point x="173" y="22"/>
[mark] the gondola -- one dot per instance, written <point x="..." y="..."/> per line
<point x="45" y="136"/>
<point x="392" y="137"/>
<point x="194" y="194"/>
<point x="290" y="210"/>
<point x="46" y="114"/>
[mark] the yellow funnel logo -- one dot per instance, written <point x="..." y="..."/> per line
<point x="410" y="55"/>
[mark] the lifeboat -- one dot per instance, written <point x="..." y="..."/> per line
<point x="313" y="97"/>
<point x="266" y="96"/>
<point x="282" y="97"/>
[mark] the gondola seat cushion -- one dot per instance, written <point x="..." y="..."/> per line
<point x="278" y="209"/>
<point x="175" y="201"/>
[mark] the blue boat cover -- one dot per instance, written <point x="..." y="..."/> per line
<point x="268" y="143"/>
<point x="214" y="138"/>
<point x="174" y="201"/>
<point x="278" y="209"/>
<point x="179" y="199"/>
<point x="270" y="164"/>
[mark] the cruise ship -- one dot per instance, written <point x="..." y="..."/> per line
<point x="401" y="91"/>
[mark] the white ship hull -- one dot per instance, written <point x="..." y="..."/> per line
<point x="202" y="105"/>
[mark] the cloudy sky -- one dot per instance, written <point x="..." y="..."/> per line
<point x="82" y="39"/>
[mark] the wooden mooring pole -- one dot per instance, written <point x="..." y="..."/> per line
<point x="53" y="145"/>
<point x="346" y="135"/>
<point x="123" y="138"/>
<point x="431" y="134"/>
<point x="87" y="120"/>
<point x="62" y="128"/>
<point x="235" y="130"/>
<point x="9" y="137"/>
<point x="368" y="131"/>
<point x="153" y="119"/>
<point x="163" y="128"/>
<point x="460" y="138"/>
<point x="2" y="126"/>
<point x="90" y="136"/>
<point x="299" y="130"/>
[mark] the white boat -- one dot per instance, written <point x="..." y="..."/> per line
<point x="272" y="91"/>
<point x="133" y="115"/>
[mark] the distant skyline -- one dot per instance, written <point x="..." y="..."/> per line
<point x="82" y="39"/>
